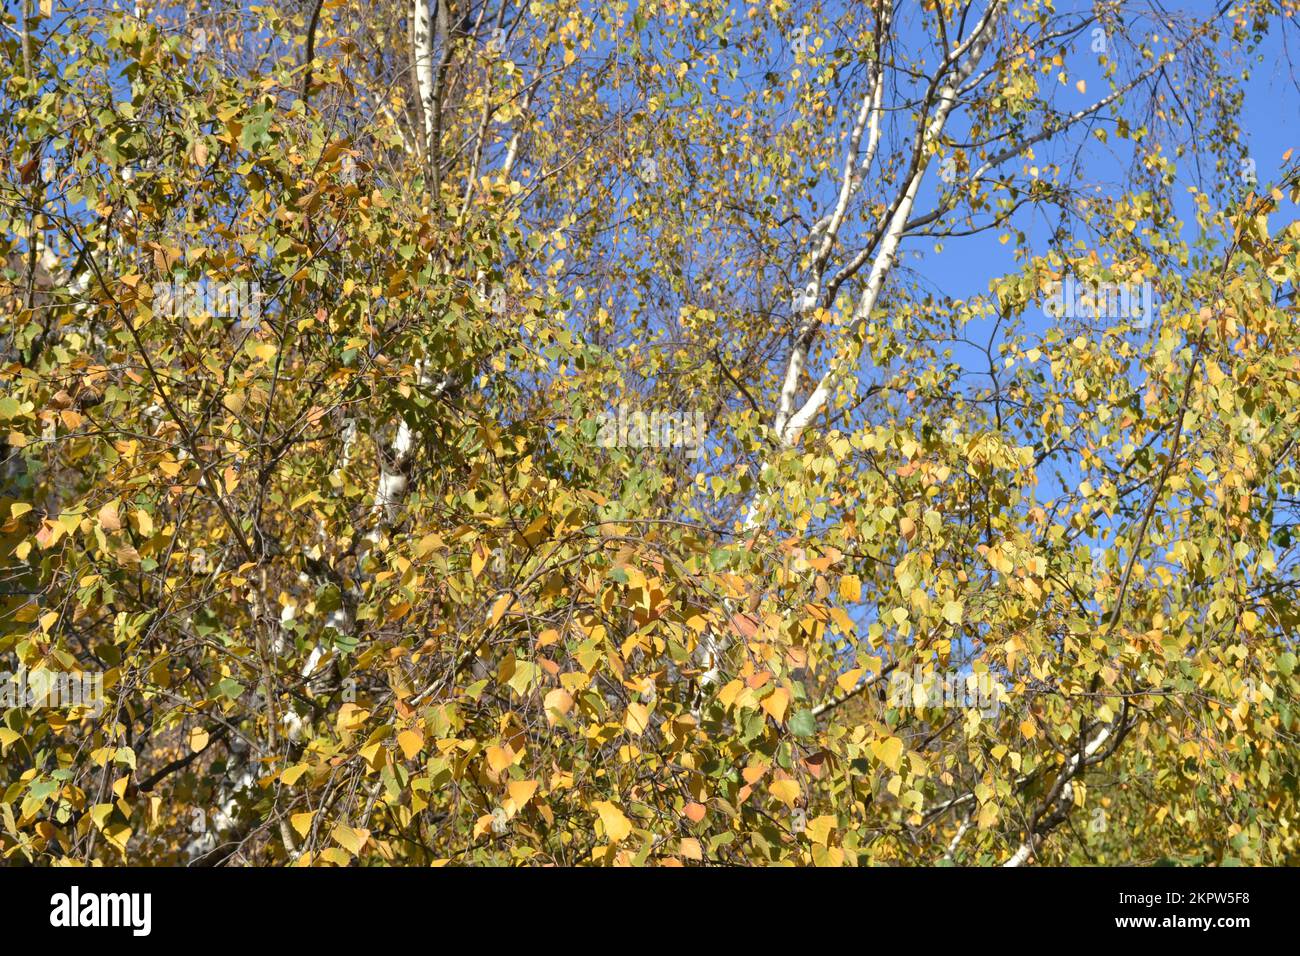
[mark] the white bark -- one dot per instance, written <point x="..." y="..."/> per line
<point x="422" y="55"/>
<point x="956" y="839"/>
<point x="788" y="424"/>
<point x="962" y="61"/>
<point x="855" y="170"/>
<point x="1071" y="768"/>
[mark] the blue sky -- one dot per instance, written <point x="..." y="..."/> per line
<point x="1269" y="121"/>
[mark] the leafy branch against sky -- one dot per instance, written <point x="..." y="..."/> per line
<point x="666" y="433"/>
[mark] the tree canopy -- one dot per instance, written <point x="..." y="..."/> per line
<point x="499" y="433"/>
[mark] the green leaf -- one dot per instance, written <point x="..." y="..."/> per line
<point x="803" y="724"/>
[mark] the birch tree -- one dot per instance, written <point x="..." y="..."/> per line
<point x="497" y="433"/>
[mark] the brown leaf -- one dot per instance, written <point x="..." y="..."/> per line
<point x="109" y="519"/>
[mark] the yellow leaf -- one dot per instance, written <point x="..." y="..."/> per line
<point x="521" y="791"/>
<point x="428" y="544"/>
<point x="888" y="751"/>
<point x="952" y="612"/>
<point x="616" y="825"/>
<point x="109" y="519"/>
<point x="819" y="829"/>
<point x="533" y="533"/>
<point x="350" y="717"/>
<point x="988" y="815"/>
<point x="410" y="742"/>
<point x="827" y="856"/>
<point x="302" y="822"/>
<point x="262" y="351"/>
<point x="1081" y="86"/>
<point x="198" y="739"/>
<point x="637" y="719"/>
<point x="499" y="758"/>
<point x="728" y="694"/>
<point x="350" y="838"/>
<point x="290" y="775"/>
<point x="691" y="849"/>
<point x="499" y="608"/>
<point x="635" y="579"/>
<point x="297" y="503"/>
<point x="119" y="835"/>
<point x="372" y="753"/>
<point x="787" y="791"/>
<point x="557" y="703"/>
<point x="1028" y="729"/>
<point x="522" y="679"/>
<point x="100" y="813"/>
<point x="843" y="621"/>
<point x="776" y="703"/>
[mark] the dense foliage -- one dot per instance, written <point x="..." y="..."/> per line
<point x="330" y="342"/>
